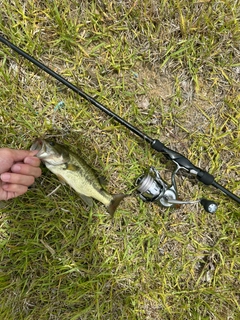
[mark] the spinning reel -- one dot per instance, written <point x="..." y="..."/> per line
<point x="151" y="187"/>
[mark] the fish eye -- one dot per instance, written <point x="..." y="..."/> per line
<point x="52" y="143"/>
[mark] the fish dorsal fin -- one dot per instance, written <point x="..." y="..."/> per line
<point x="86" y="199"/>
<point x="102" y="180"/>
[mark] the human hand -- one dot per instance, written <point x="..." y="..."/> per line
<point x="18" y="170"/>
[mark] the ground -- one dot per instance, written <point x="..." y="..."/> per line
<point x="170" y="68"/>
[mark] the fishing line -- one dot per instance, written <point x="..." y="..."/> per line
<point x="150" y="185"/>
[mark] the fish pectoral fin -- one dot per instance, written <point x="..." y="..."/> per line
<point x="61" y="179"/>
<point x="86" y="199"/>
<point x="71" y="167"/>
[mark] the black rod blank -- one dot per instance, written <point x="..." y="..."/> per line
<point x="76" y="90"/>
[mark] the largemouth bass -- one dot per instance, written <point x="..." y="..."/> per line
<point x="73" y="170"/>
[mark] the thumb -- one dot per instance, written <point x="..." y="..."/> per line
<point x="20" y="155"/>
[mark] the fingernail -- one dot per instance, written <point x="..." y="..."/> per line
<point x="16" y="168"/>
<point x="5" y="177"/>
<point x="33" y="153"/>
<point x="29" y="160"/>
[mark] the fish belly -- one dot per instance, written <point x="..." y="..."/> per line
<point x="81" y="184"/>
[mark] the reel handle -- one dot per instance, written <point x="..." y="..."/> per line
<point x="209" y="206"/>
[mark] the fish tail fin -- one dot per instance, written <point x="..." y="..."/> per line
<point x="117" y="198"/>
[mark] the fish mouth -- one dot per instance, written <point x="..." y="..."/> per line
<point x="47" y="153"/>
<point x="40" y="146"/>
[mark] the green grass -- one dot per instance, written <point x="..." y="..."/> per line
<point x="172" y="69"/>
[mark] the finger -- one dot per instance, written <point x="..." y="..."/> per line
<point x="26" y="169"/>
<point x="17" y="179"/>
<point x="14" y="190"/>
<point x="19" y="155"/>
<point x="33" y="161"/>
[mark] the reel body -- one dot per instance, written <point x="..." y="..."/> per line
<point x="152" y="188"/>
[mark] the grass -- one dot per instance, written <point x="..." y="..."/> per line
<point x="172" y="69"/>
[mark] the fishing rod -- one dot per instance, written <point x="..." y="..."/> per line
<point x="150" y="185"/>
